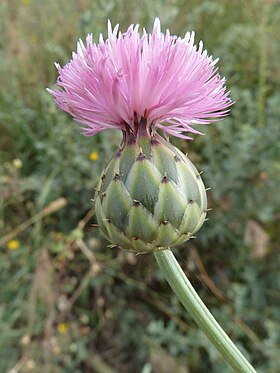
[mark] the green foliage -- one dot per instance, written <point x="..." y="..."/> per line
<point x="68" y="303"/>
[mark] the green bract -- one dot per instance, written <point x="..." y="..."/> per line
<point x="150" y="196"/>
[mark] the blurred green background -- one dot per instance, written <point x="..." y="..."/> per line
<point x="67" y="302"/>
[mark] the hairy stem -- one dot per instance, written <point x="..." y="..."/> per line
<point x="199" y="312"/>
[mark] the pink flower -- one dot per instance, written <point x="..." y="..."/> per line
<point x="165" y="80"/>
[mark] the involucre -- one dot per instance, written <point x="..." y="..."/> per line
<point x="150" y="196"/>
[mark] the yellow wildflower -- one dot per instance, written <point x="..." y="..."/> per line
<point x="25" y="2"/>
<point x="13" y="244"/>
<point x="93" y="156"/>
<point x="17" y="163"/>
<point x="62" y="327"/>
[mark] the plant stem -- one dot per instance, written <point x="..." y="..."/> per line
<point x="200" y="313"/>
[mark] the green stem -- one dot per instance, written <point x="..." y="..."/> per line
<point x="200" y="313"/>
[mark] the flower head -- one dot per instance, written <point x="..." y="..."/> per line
<point x="132" y="79"/>
<point x="13" y="244"/>
<point x="93" y="156"/>
<point x="63" y="327"/>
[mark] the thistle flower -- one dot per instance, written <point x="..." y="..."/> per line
<point x="150" y="196"/>
<point x="163" y="78"/>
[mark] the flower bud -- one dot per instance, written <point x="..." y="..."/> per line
<point x="150" y="196"/>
